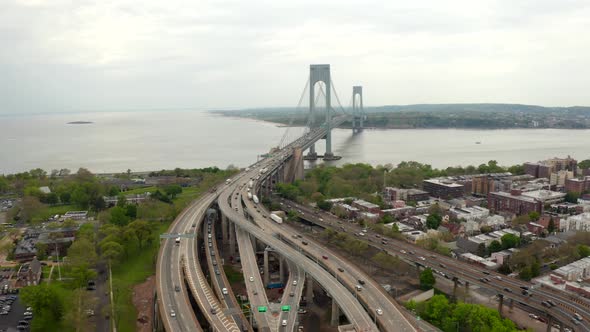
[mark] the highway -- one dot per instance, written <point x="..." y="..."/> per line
<point x="563" y="311"/>
<point x="169" y="275"/>
<point x="350" y="306"/>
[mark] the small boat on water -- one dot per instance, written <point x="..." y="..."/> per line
<point x="478" y="142"/>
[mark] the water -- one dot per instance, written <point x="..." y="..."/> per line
<point x="143" y="141"/>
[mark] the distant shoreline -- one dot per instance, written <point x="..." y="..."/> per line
<point x="80" y="122"/>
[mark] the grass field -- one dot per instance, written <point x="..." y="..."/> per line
<point x="233" y="276"/>
<point x="50" y="211"/>
<point x="140" y="190"/>
<point x="135" y="270"/>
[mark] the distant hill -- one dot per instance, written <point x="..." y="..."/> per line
<point x="442" y="116"/>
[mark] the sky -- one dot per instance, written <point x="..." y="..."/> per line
<point x="82" y="55"/>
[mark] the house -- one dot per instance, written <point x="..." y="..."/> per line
<point x="457" y="229"/>
<point x="535" y="228"/>
<point x="367" y="206"/>
<point x="29" y="274"/>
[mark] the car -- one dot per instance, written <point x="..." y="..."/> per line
<point x="551" y="303"/>
<point x="194" y="225"/>
<point x="498" y="277"/>
<point x="304" y="243"/>
<point x="507" y="290"/>
<point x="362" y="234"/>
<point x="217" y="272"/>
<point x="442" y="265"/>
<point x="359" y="287"/>
<point x="3" y="312"/>
<point x="214" y="263"/>
<point x="251" y="279"/>
<point x="89" y="313"/>
<point x="422" y="258"/>
<point x="294" y="282"/>
<point x="578" y="317"/>
<point x="383" y="242"/>
<point x="213" y="311"/>
<point x="224" y="291"/>
<point x="284" y="322"/>
<point x="340" y="269"/>
<point x="324" y="257"/>
<point x="301" y="311"/>
<point x="362" y="282"/>
<point x="177" y="288"/>
<point x="377" y="235"/>
<point x="379" y="311"/>
<point x="545" y="304"/>
<point x="485" y="272"/>
<point x="27" y="313"/>
<point x="291" y="294"/>
<point x="410" y="252"/>
<point x="524" y="287"/>
<point x="533" y="316"/>
<point x="403" y="251"/>
<point x="172" y="313"/>
<point x="525" y="292"/>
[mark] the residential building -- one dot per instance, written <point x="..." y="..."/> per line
<point x="535" y="228"/>
<point x="483" y="184"/>
<point x="545" y="196"/>
<point x="76" y="215"/>
<point x="543" y="169"/>
<point x="513" y="202"/>
<point x="29" y="274"/>
<point x="402" y="212"/>
<point x="367" y="206"/>
<point x="579" y="269"/>
<point x="558" y="178"/>
<point x="580" y="222"/>
<point x="443" y="188"/>
<point x="470" y="213"/>
<point x="415" y="236"/>
<point x="578" y="185"/>
<point x="391" y="194"/>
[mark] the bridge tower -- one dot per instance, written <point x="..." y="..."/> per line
<point x="321" y="73"/>
<point x="358" y="112"/>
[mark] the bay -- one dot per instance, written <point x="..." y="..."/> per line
<point x="153" y="140"/>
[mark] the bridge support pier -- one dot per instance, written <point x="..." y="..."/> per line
<point x="232" y="239"/>
<point x="335" y="321"/>
<point x="294" y="168"/>
<point x="500" y="304"/>
<point x="224" y="225"/>
<point x="549" y="323"/>
<point x="309" y="288"/>
<point x="282" y="269"/>
<point x="266" y="274"/>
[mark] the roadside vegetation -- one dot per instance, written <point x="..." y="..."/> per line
<point x="124" y="236"/>
<point x="451" y="317"/>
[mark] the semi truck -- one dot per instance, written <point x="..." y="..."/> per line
<point x="255" y="199"/>
<point x="276" y="218"/>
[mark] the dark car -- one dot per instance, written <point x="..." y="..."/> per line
<point x="340" y="269"/>
<point x="507" y="290"/>
<point x="362" y="282"/>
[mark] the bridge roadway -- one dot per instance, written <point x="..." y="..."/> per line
<point x="296" y="275"/>
<point x="372" y="295"/>
<point x="566" y="305"/>
<point x="219" y="279"/>
<point x="350" y="306"/>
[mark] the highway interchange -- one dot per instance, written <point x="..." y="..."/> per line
<point x="363" y="306"/>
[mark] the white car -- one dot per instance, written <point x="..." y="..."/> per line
<point x="224" y="291"/>
<point x="294" y="282"/>
<point x="251" y="279"/>
<point x="284" y="323"/>
<point x="379" y="312"/>
<point x="172" y="313"/>
<point x="403" y="251"/>
<point x="422" y="258"/>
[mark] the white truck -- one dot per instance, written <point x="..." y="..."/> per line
<point x="250" y="196"/>
<point x="276" y="218"/>
<point x="263" y="170"/>
<point x="228" y="181"/>
<point x="250" y="184"/>
<point x="177" y="240"/>
<point x="255" y="199"/>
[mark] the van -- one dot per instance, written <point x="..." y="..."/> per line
<point x="359" y="288"/>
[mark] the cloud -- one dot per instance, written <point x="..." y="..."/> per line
<point x="120" y="54"/>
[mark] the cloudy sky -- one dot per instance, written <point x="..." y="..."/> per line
<point x="72" y="55"/>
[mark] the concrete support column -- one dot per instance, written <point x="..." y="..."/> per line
<point x="282" y="269"/>
<point x="549" y="323"/>
<point x="500" y="304"/>
<point x="335" y="321"/>
<point x="232" y="239"/>
<point x="266" y="273"/>
<point x="309" y="289"/>
<point x="224" y="225"/>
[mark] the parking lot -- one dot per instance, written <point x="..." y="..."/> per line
<point x="9" y="318"/>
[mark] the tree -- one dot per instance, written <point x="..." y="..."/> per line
<point x="173" y="190"/>
<point x="534" y="215"/>
<point x="65" y="197"/>
<point x="509" y="241"/>
<point x="572" y="197"/>
<point x="111" y="251"/>
<point x="495" y="246"/>
<point x="121" y="200"/>
<point x="583" y="250"/>
<point x="47" y="302"/>
<point x="119" y="216"/>
<point x="325" y="205"/>
<point x="80" y="197"/>
<point x="551" y="225"/>
<point x="131" y="211"/>
<point x="386" y="261"/>
<point x="505" y="268"/>
<point x="481" y="250"/>
<point x="41" y="250"/>
<point x="141" y="229"/>
<point x="427" y="279"/>
<point x="82" y="253"/>
<point x="525" y="273"/>
<point x="433" y="221"/>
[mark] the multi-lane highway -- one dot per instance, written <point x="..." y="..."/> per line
<point x="510" y="288"/>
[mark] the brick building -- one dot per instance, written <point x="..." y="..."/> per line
<point x="543" y="169"/>
<point x="443" y="188"/>
<point x="513" y="202"/>
<point x="391" y="194"/>
<point x="577" y="185"/>
<point x="484" y="184"/>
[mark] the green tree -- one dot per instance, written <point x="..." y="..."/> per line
<point x="481" y="250"/>
<point x="433" y="221"/>
<point x="551" y="225"/>
<point x="427" y="279"/>
<point x="584" y="164"/>
<point x="82" y="253"/>
<point x="41" y="251"/>
<point x="142" y="231"/>
<point x="47" y="301"/>
<point x="534" y="215"/>
<point x="583" y="250"/>
<point x="325" y="205"/>
<point x="525" y="273"/>
<point x="572" y="197"/>
<point x="111" y="251"/>
<point x="495" y="246"/>
<point x="119" y="216"/>
<point x="173" y="190"/>
<point x="131" y="211"/>
<point x="65" y="197"/>
<point x="510" y="241"/>
<point x="80" y="197"/>
<point x="535" y="269"/>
